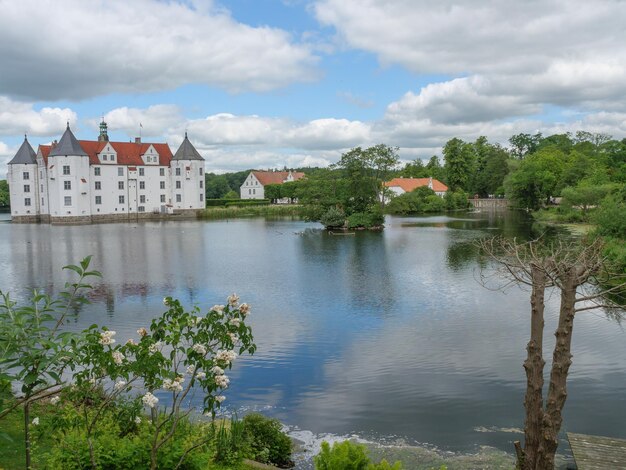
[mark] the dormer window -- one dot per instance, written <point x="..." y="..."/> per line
<point x="112" y="158"/>
<point x="104" y="157"/>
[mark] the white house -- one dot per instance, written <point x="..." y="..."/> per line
<point x="253" y="186"/>
<point x="82" y="181"/>
<point x="405" y="185"/>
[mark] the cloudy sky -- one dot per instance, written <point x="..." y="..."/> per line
<point x="273" y="83"/>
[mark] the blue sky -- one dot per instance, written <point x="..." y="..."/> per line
<point x="273" y="83"/>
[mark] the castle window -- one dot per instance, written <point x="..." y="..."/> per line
<point x="96" y="171"/>
<point x="141" y="171"/>
<point x="142" y="199"/>
<point x="67" y="200"/>
<point x="142" y="185"/>
<point x="27" y="201"/>
<point x="66" y="169"/>
<point x="201" y="183"/>
<point x="27" y="188"/>
<point x="201" y="197"/>
<point x="177" y="171"/>
<point x="161" y="171"/>
<point x="177" y="184"/>
<point x="120" y="185"/>
<point x="120" y="171"/>
<point x="200" y="171"/>
<point x="121" y="199"/>
<point x="67" y="185"/>
<point x="162" y="197"/>
<point x="178" y="198"/>
<point x="162" y="184"/>
<point x="26" y="175"/>
<point x="141" y="209"/>
<point x="98" y="199"/>
<point x="98" y="185"/>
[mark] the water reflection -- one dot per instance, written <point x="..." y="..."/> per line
<point x="378" y="333"/>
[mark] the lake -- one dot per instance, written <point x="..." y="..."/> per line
<point x="386" y="335"/>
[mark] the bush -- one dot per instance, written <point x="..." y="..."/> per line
<point x="611" y="217"/>
<point x="348" y="455"/>
<point x="373" y="217"/>
<point x="344" y="455"/>
<point x="247" y="202"/>
<point x="230" y="442"/>
<point x="333" y="218"/>
<point x="266" y="441"/>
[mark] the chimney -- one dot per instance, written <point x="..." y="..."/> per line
<point x="137" y="140"/>
<point x="54" y="144"/>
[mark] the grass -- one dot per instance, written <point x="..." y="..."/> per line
<point x="12" y="449"/>
<point x="234" y="212"/>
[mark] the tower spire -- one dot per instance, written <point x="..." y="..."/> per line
<point x="104" y="136"/>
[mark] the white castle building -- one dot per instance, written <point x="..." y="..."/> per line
<point x="83" y="181"/>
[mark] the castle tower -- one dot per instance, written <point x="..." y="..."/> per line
<point x="187" y="183"/>
<point x="24" y="184"/>
<point x="68" y="180"/>
<point x="104" y="136"/>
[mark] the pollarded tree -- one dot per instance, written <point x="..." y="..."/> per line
<point x="574" y="269"/>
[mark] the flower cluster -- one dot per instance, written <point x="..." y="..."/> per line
<point x="118" y="357"/>
<point x="149" y="400"/>
<point x="218" y="309"/>
<point x="142" y="332"/>
<point x="220" y="398"/>
<point x="54" y="400"/>
<point x="244" y="309"/>
<point x="222" y="381"/>
<point x="175" y="385"/>
<point x="119" y="385"/>
<point x="153" y="348"/>
<point x="226" y="356"/>
<point x="106" y="337"/>
<point x="233" y="300"/>
<point x="199" y="349"/>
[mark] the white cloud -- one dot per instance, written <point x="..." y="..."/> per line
<point x="22" y="118"/>
<point x="154" y="120"/>
<point x="553" y="51"/>
<point x="72" y="49"/>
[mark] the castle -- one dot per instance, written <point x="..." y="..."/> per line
<point x="83" y="181"/>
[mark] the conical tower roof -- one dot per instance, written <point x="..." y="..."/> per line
<point x="187" y="151"/>
<point x="25" y="154"/>
<point x="68" y="145"/>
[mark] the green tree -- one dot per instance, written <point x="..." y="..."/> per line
<point x="4" y="194"/>
<point x="524" y="144"/>
<point x="459" y="163"/>
<point x="537" y="179"/>
<point x="273" y="192"/>
<point x="216" y="186"/>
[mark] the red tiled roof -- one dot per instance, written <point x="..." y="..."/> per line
<point x="409" y="184"/>
<point x="128" y="153"/>
<point x="275" y="177"/>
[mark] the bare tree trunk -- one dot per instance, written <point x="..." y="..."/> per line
<point x="534" y="364"/>
<point x="561" y="361"/>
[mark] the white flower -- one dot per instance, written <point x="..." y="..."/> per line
<point x="180" y="379"/>
<point x="226" y="356"/>
<point x="92" y="381"/>
<point x="222" y="381"/>
<point x="235" y="322"/>
<point x="165" y="301"/>
<point x="199" y="349"/>
<point x="142" y="332"/>
<point x="200" y="375"/>
<point x="119" y="385"/>
<point x="220" y="398"/>
<point x="233" y="300"/>
<point x="217" y="370"/>
<point x="172" y="385"/>
<point x="244" y="309"/>
<point x="35" y="421"/>
<point x="137" y="420"/>
<point x="218" y="308"/>
<point x="233" y="337"/>
<point x="155" y="347"/>
<point x="118" y="357"/>
<point x="54" y="400"/>
<point x="191" y="369"/>
<point x="131" y="342"/>
<point x="149" y="400"/>
<point x="106" y="337"/>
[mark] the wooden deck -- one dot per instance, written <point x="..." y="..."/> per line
<point x="597" y="453"/>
